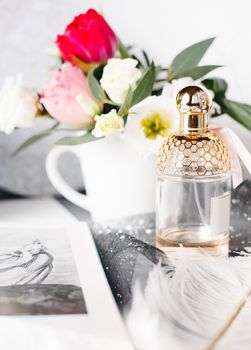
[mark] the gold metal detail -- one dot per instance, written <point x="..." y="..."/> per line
<point x="193" y="103"/>
<point x="193" y="150"/>
<point x="193" y="100"/>
<point x="197" y="155"/>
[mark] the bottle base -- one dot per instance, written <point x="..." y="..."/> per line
<point x="193" y="239"/>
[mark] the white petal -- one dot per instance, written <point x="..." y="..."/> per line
<point x="17" y="105"/>
<point x="134" y="133"/>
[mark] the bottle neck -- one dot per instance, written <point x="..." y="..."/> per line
<point x="193" y="123"/>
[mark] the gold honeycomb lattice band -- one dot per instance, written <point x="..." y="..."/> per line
<point x="201" y="155"/>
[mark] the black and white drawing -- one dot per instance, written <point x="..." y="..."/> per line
<point x="38" y="275"/>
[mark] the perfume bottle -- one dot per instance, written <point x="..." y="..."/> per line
<point x="193" y="182"/>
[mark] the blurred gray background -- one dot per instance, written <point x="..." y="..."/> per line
<point x="29" y="27"/>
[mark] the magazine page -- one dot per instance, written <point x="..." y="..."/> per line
<point x="53" y="291"/>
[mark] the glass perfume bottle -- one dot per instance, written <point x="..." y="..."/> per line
<point x="193" y="182"/>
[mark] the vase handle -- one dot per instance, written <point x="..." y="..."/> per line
<point x="59" y="183"/>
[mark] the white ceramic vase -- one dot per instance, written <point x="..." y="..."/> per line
<point x="119" y="182"/>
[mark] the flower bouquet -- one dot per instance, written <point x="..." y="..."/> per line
<point x="102" y="89"/>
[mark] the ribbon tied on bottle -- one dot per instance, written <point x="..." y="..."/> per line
<point x="237" y="151"/>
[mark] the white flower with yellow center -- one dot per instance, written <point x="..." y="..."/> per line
<point x="155" y="117"/>
<point x="108" y="124"/>
<point x="149" y="121"/>
<point x="118" y="76"/>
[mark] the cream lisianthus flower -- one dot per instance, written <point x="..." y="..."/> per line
<point x="118" y="76"/>
<point x="108" y="124"/>
<point x="149" y="121"/>
<point x="17" y="105"/>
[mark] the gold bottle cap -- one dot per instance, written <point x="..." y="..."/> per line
<point x="194" y="150"/>
<point x="193" y="103"/>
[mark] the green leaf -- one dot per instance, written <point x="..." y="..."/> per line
<point x="189" y="57"/>
<point x="83" y="128"/>
<point x="144" y="86"/>
<point x="122" y="50"/>
<point x="241" y="112"/>
<point x="157" y="92"/>
<point x="195" y="72"/>
<point x="98" y="71"/>
<point x="34" y="138"/>
<point x="29" y="142"/>
<point x="95" y="87"/>
<point x="45" y="133"/>
<point x="140" y="64"/>
<point x="127" y="103"/>
<point x="217" y="85"/>
<point x="146" y="58"/>
<point x="77" y="140"/>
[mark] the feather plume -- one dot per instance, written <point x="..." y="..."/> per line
<point x="199" y="303"/>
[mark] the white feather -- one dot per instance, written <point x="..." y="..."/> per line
<point x="186" y="306"/>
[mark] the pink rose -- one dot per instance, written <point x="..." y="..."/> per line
<point x="68" y="99"/>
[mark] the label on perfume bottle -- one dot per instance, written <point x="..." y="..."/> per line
<point x="220" y="214"/>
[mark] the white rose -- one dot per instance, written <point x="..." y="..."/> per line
<point x="118" y="76"/>
<point x="108" y="124"/>
<point x="17" y="105"/>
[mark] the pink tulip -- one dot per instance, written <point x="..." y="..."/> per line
<point x="60" y="95"/>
